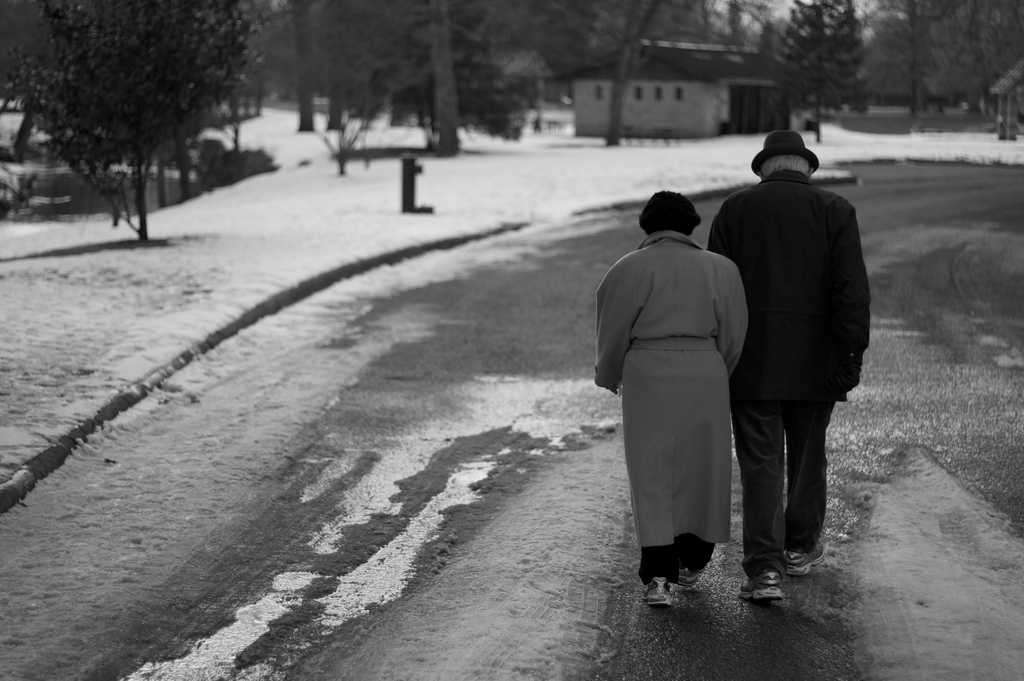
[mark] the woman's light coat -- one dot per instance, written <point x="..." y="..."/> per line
<point x="671" y="320"/>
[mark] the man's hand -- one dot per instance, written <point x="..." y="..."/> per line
<point x="846" y="376"/>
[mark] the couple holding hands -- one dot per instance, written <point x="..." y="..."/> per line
<point x="764" y="332"/>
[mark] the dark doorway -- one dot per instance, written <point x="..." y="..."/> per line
<point x="750" y="109"/>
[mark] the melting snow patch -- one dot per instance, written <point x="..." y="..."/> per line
<point x="372" y="494"/>
<point x="557" y="443"/>
<point x="383" y="577"/>
<point x="1012" y="360"/>
<point x="896" y="333"/>
<point x="334" y="471"/>
<point x="213" y="659"/>
<point x="498" y="378"/>
<point x="992" y="341"/>
<point x="379" y="580"/>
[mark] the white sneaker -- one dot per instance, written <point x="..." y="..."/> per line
<point x="799" y="563"/>
<point x="764" y="587"/>
<point x="688" y="577"/>
<point x="657" y="593"/>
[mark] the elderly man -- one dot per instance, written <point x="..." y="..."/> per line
<point x="797" y="247"/>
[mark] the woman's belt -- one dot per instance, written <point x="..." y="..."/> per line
<point x="674" y="343"/>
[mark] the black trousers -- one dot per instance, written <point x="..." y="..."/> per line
<point x="688" y="550"/>
<point x="780" y="446"/>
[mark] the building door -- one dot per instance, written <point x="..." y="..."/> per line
<point x="747" y="109"/>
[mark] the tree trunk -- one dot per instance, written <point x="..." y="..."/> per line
<point x="914" y="58"/>
<point x="300" y="20"/>
<point x="184" y="163"/>
<point x="618" y="95"/>
<point x="446" y="96"/>
<point x="334" y="111"/>
<point x="235" y="105"/>
<point x="24" y="131"/>
<point x="638" y="18"/>
<point x="424" y="120"/>
<point x="161" y="186"/>
<point x="140" y="202"/>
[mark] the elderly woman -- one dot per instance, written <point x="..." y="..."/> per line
<point x="671" y="320"/>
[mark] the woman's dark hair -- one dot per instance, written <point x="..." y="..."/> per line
<point x="669" y="211"/>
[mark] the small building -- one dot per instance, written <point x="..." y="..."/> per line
<point x="685" y="90"/>
<point x="1009" y="92"/>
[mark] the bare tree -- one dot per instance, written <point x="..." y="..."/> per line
<point x="446" y="95"/>
<point x="973" y="43"/>
<point x="639" y="15"/>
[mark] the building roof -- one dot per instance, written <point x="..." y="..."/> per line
<point x="1009" y="80"/>
<point x="523" y="63"/>
<point x="693" y="61"/>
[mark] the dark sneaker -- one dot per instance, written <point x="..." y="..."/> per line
<point x="688" y="577"/>
<point x="657" y="594"/>
<point x="799" y="563"/>
<point x="764" y="587"/>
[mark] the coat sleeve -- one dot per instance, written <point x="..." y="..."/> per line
<point x="616" y="312"/>
<point x="731" y="315"/>
<point x="850" y="296"/>
<point x="717" y="242"/>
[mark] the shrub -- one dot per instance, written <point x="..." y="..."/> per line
<point x="219" y="166"/>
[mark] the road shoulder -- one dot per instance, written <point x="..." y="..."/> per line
<point x="942" y="582"/>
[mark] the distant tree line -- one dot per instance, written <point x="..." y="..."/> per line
<point x="926" y="53"/>
<point x="124" y="89"/>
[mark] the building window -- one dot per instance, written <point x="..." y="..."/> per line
<point x="679" y="93"/>
<point x="639" y="93"/>
<point x="657" y="92"/>
<point x="598" y="92"/>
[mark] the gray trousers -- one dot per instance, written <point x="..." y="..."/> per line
<point x="780" y="441"/>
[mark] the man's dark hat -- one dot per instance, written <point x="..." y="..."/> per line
<point x="782" y="143"/>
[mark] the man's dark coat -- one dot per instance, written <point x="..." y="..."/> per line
<point x="798" y="250"/>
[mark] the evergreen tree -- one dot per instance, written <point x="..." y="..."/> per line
<point x="119" y="78"/>
<point x="823" y="55"/>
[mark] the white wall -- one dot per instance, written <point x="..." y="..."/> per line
<point x="700" y="112"/>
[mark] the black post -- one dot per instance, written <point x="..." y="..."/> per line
<point x="410" y="169"/>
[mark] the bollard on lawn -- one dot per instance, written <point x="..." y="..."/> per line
<point x="410" y="169"/>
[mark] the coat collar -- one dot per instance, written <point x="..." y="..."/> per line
<point x="787" y="176"/>
<point x="655" y="237"/>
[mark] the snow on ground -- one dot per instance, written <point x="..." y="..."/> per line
<point x="78" y="330"/>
